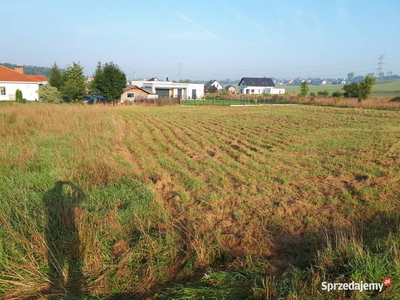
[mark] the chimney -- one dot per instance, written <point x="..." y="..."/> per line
<point x="19" y="69"/>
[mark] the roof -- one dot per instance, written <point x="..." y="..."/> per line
<point x="7" y="74"/>
<point x="135" y="87"/>
<point x="254" y="81"/>
<point x="39" y="77"/>
<point x="229" y="86"/>
<point x="211" y="82"/>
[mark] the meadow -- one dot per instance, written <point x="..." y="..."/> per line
<point x="382" y="89"/>
<point x="204" y="202"/>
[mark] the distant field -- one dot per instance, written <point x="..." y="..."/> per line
<point x="229" y="202"/>
<point x="391" y="88"/>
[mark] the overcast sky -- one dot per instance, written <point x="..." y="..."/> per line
<point x="215" y="39"/>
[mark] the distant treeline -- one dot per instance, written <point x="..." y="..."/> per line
<point x="31" y="70"/>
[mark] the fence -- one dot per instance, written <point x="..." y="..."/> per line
<point x="241" y="99"/>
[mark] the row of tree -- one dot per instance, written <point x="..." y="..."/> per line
<point x="361" y="90"/>
<point x="109" y="81"/>
<point x="30" y="70"/>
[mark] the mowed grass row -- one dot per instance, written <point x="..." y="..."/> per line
<point x="151" y="196"/>
<point x="245" y="181"/>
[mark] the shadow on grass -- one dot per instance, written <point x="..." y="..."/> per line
<point x="65" y="253"/>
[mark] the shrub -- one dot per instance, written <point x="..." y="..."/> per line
<point x="337" y="94"/>
<point x="395" y="99"/>
<point x="49" y="94"/>
<point x="312" y="94"/>
<point x="18" y="96"/>
<point x="323" y="93"/>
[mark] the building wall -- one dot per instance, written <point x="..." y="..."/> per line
<point x="199" y="88"/>
<point x="29" y="90"/>
<point x="139" y="94"/>
<point x="258" y="90"/>
<point x="187" y="88"/>
<point x="217" y="85"/>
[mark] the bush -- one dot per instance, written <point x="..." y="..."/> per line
<point x="312" y="94"/>
<point x="49" y="94"/>
<point x="324" y="93"/>
<point x="337" y="94"/>
<point x="395" y="99"/>
<point x="18" y="96"/>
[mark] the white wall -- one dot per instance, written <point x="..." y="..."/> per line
<point x="199" y="90"/>
<point x="258" y="90"/>
<point x="217" y="85"/>
<point x="29" y="90"/>
<point x="186" y="87"/>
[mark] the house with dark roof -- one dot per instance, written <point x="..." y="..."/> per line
<point x="12" y="80"/>
<point x="257" y="85"/>
<point x="213" y="83"/>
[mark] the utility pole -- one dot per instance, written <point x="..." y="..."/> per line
<point x="180" y="71"/>
<point x="379" y="73"/>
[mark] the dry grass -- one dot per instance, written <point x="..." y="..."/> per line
<point x="232" y="187"/>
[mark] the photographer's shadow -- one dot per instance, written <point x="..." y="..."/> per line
<point x="64" y="249"/>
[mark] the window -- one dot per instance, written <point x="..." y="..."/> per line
<point x="252" y="91"/>
<point x="2" y="90"/>
<point x="130" y="95"/>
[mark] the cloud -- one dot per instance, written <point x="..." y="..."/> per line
<point x="205" y="30"/>
<point x="244" y="18"/>
<point x="262" y="35"/>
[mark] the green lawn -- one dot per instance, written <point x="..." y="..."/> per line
<point x="391" y="88"/>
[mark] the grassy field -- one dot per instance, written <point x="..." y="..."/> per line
<point x="197" y="202"/>
<point x="388" y="89"/>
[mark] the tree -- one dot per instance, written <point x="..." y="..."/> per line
<point x="49" y="94"/>
<point x="109" y="80"/>
<point x="97" y="78"/>
<point x="56" y="77"/>
<point x="350" y="76"/>
<point x="361" y="90"/>
<point x="358" y="79"/>
<point x="304" y="88"/>
<point x="212" y="89"/>
<point x="74" y="87"/>
<point x="365" y="89"/>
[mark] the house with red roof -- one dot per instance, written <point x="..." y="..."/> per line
<point x="12" y="80"/>
<point x="135" y="93"/>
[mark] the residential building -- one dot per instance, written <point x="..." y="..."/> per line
<point x="213" y="83"/>
<point x="254" y="85"/>
<point x="168" y="89"/>
<point x="12" y="80"/>
<point x="230" y="89"/>
<point x="134" y="93"/>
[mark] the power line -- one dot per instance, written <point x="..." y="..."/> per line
<point x="291" y="68"/>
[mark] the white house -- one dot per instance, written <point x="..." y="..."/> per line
<point x="168" y="89"/>
<point x="251" y="85"/>
<point x="12" y="80"/>
<point x="215" y="84"/>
